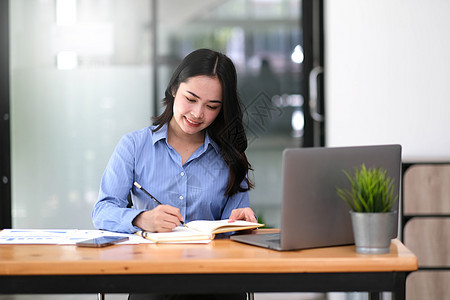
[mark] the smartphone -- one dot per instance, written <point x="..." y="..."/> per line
<point x="102" y="241"/>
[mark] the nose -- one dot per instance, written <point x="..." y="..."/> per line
<point x="197" y="112"/>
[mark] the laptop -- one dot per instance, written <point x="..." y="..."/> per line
<point x="312" y="214"/>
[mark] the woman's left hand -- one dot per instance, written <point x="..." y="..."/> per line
<point x="245" y="214"/>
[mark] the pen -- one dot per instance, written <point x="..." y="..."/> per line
<point x="153" y="198"/>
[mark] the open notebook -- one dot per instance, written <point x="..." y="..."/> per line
<point x="201" y="230"/>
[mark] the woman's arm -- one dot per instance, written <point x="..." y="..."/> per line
<point x="111" y="212"/>
<point x="238" y="207"/>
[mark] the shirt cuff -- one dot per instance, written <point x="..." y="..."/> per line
<point x="131" y="215"/>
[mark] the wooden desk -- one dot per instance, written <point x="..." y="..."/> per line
<point x="223" y="266"/>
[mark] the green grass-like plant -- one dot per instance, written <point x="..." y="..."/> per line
<point x="372" y="191"/>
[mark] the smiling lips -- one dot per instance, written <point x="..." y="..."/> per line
<point x="192" y="123"/>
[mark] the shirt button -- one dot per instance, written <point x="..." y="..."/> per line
<point x="182" y="173"/>
<point x="181" y="197"/>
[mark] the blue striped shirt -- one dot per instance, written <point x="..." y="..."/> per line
<point x="197" y="188"/>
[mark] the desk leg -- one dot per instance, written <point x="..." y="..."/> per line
<point x="100" y="296"/>
<point x="374" y="296"/>
<point x="400" y="286"/>
<point x="400" y="295"/>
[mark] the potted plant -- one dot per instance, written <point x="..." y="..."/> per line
<point x="371" y="199"/>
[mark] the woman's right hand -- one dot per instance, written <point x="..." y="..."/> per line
<point x="163" y="218"/>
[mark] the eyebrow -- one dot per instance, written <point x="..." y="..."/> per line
<point x="193" y="94"/>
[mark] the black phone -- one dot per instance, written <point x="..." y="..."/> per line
<point x="102" y="241"/>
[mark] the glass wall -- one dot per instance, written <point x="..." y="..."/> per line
<point x="80" y="79"/>
<point x="82" y="76"/>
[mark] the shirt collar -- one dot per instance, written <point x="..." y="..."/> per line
<point x="162" y="134"/>
<point x="209" y="140"/>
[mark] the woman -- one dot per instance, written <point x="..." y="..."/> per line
<point x="192" y="159"/>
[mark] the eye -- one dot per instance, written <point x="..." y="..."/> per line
<point x="213" y="107"/>
<point x="189" y="99"/>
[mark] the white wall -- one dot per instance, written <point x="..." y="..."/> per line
<point x="388" y="75"/>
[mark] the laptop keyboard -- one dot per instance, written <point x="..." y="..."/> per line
<point x="273" y="237"/>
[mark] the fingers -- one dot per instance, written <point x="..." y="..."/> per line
<point x="166" y="218"/>
<point x="173" y="211"/>
<point x="163" y="218"/>
<point x="245" y="214"/>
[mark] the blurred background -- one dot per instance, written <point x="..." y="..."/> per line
<point x="79" y="74"/>
<point x="85" y="72"/>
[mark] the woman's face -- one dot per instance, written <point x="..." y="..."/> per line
<point x="197" y="103"/>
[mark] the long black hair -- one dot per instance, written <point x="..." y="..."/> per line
<point x="227" y="130"/>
